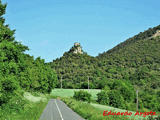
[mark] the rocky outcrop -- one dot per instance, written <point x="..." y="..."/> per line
<point x="157" y="33"/>
<point x="77" y="48"/>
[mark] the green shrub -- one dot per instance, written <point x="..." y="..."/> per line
<point x="125" y="88"/>
<point x="9" y="88"/>
<point x="82" y="95"/>
<point x="103" y="98"/>
<point x="118" y="94"/>
<point x="115" y="99"/>
<point x="84" y="85"/>
<point x="89" y="112"/>
<point x="15" y="104"/>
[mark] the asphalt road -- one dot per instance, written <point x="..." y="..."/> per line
<point x="58" y="110"/>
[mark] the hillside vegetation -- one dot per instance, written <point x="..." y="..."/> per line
<point x="130" y="66"/>
<point x="74" y="69"/>
<point x="19" y="72"/>
<point x="133" y="65"/>
<point x="136" y="61"/>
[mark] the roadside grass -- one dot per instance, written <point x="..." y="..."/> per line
<point x="67" y="94"/>
<point x="89" y="112"/>
<point x="31" y="110"/>
<point x="36" y="102"/>
<point x="70" y="92"/>
<point x="104" y="107"/>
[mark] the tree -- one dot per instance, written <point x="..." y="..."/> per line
<point x="10" y="53"/>
<point x="19" y="70"/>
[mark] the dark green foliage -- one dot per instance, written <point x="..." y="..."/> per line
<point x="150" y="100"/>
<point x="103" y="98"/>
<point x="82" y="95"/>
<point x="15" y="103"/>
<point x="19" y="71"/>
<point x="9" y="88"/>
<point x="10" y="52"/>
<point x="116" y="99"/>
<point x="124" y="88"/>
<point x="75" y="70"/>
<point x="37" y="76"/>
<point x="117" y="94"/>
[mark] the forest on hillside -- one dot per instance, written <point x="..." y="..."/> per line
<point x="133" y="65"/>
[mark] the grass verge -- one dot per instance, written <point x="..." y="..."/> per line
<point x="87" y="111"/>
<point x="28" y="111"/>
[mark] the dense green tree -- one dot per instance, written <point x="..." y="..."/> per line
<point x="82" y="95"/>
<point x="18" y="70"/>
<point x="103" y="97"/>
<point x="10" y="53"/>
<point x="117" y="94"/>
<point x="116" y="99"/>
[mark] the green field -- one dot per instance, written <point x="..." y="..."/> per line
<point x="70" y="92"/>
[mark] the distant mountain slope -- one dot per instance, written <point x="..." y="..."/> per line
<point x="141" y="36"/>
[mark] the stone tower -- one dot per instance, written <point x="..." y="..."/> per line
<point x="78" y="48"/>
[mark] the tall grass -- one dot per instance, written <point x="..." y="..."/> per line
<point x="29" y="111"/>
<point x="89" y="112"/>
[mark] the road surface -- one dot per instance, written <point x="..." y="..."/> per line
<point x="58" y="110"/>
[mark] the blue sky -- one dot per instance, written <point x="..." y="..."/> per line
<point x="50" y="27"/>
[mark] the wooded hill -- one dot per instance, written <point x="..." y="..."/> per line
<point x="137" y="54"/>
<point x="136" y="61"/>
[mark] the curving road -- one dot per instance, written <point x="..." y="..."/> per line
<point x="58" y="110"/>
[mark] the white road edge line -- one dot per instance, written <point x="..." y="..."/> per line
<point x="59" y="111"/>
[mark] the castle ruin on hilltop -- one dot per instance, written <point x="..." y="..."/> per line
<point x="78" y="48"/>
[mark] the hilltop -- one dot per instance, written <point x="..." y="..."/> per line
<point x="74" y="67"/>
